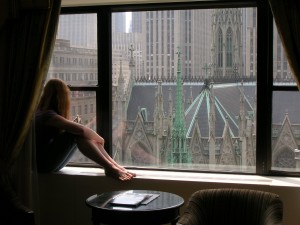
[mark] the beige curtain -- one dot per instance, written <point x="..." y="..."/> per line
<point x="287" y="18"/>
<point x="27" y="35"/>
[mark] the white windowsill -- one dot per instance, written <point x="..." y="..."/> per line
<point x="193" y="177"/>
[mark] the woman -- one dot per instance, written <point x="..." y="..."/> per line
<point x="57" y="137"/>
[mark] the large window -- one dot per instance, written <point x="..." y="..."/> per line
<point x="75" y="60"/>
<point x="182" y="87"/>
<point x="198" y="120"/>
<point x="285" y="119"/>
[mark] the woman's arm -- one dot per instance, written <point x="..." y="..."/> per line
<point x="74" y="128"/>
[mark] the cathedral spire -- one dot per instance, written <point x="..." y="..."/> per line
<point x="179" y="118"/>
<point x="242" y="119"/>
<point x="179" y="152"/>
<point x="121" y="96"/>
<point x="190" y="99"/>
<point x="121" y="78"/>
<point x="131" y="61"/>
<point x="212" y="125"/>
<point x="121" y="81"/>
<point x="159" y="110"/>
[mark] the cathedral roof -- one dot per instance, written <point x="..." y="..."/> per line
<point x="226" y="109"/>
<point x="227" y="104"/>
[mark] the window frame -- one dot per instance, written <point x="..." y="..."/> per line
<point x="265" y="85"/>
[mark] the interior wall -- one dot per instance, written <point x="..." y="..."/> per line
<point x="113" y="2"/>
<point x="62" y="196"/>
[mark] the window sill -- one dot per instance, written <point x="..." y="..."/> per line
<point x="193" y="177"/>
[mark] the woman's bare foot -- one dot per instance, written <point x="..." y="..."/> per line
<point x="126" y="171"/>
<point x="118" y="174"/>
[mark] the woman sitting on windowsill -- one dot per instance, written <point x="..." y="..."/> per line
<point x="57" y="137"/>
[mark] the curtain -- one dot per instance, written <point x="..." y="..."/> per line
<point x="286" y="14"/>
<point x="27" y="36"/>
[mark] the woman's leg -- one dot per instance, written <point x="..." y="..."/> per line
<point x="57" y="154"/>
<point x="101" y="148"/>
<point x="95" y="153"/>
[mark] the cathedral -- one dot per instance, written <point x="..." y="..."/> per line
<point x="195" y="124"/>
<point x="209" y="125"/>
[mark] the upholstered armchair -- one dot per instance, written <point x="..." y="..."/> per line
<point x="232" y="207"/>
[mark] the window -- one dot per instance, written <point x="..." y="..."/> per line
<point x="76" y="39"/>
<point x="175" y="114"/>
<point x="186" y="121"/>
<point x="285" y="98"/>
<point x="229" y="47"/>
<point x="220" y="48"/>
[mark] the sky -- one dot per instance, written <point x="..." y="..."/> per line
<point x="128" y="19"/>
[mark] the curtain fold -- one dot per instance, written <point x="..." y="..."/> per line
<point x="26" y="42"/>
<point x="10" y="8"/>
<point x="35" y="4"/>
<point x="286" y="14"/>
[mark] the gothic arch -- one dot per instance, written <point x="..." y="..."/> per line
<point x="118" y="149"/>
<point x="283" y="153"/>
<point x="140" y="156"/>
<point x="197" y="146"/>
<point x="285" y="158"/>
<point x="227" y="156"/>
<point x="238" y="38"/>
<point x="140" y="136"/>
<point x="285" y="138"/>
<point x="220" y="48"/>
<point x="229" y="47"/>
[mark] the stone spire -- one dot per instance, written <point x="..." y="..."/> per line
<point x="190" y="99"/>
<point x="212" y="125"/>
<point x="121" y="82"/>
<point x="179" y="153"/>
<point x="158" y="111"/>
<point x="242" y="117"/>
<point x="121" y="96"/>
<point x="131" y="61"/>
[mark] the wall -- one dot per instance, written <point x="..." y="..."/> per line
<point x="62" y="196"/>
<point x="113" y="2"/>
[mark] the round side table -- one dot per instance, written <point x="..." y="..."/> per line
<point x="164" y="209"/>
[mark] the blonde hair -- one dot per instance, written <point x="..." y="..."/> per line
<point x="56" y="96"/>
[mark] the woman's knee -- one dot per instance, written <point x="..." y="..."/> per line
<point x="83" y="142"/>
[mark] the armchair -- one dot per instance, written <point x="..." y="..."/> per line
<point x="232" y="207"/>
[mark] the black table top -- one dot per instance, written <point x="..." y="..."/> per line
<point x="163" y="209"/>
<point x="165" y="200"/>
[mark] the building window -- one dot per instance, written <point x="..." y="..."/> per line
<point x="68" y="77"/>
<point x="220" y="48"/>
<point x="79" y="110"/>
<point x="81" y="32"/>
<point x="284" y="112"/>
<point x="61" y="76"/>
<point x="181" y="112"/>
<point x="73" y="111"/>
<point x="229" y="48"/>
<point x="91" y="108"/>
<point x="217" y="122"/>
